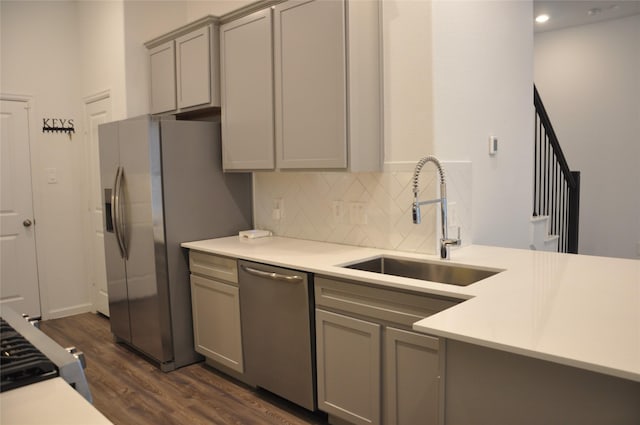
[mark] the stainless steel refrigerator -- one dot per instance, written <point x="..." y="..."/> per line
<point x="162" y="184"/>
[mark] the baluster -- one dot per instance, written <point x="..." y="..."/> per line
<point x="535" y="170"/>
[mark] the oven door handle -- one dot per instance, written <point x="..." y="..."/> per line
<point x="272" y="276"/>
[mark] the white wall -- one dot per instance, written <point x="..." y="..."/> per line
<point x="589" y="80"/>
<point x="113" y="55"/>
<point x="408" y="93"/>
<point x="101" y="38"/>
<point x="40" y="58"/>
<point x="198" y="8"/>
<point x="482" y="73"/>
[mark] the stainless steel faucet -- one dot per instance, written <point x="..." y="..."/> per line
<point x="445" y="241"/>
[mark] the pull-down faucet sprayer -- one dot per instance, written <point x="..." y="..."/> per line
<point x="445" y="242"/>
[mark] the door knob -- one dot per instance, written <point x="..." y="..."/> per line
<point x="27" y="223"/>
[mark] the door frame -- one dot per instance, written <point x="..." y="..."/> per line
<point x="30" y="104"/>
<point x="88" y="216"/>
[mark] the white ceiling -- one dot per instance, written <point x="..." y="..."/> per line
<point x="565" y="13"/>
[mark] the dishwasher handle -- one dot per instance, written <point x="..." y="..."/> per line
<point x="272" y="276"/>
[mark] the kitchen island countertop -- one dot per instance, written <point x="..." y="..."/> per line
<point x="580" y="311"/>
<point x="48" y="402"/>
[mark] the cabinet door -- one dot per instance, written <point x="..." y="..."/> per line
<point x="162" y="62"/>
<point x="193" y="62"/>
<point x="411" y="376"/>
<point x="216" y="321"/>
<point x="348" y="366"/>
<point x="310" y="84"/>
<point x="247" y="92"/>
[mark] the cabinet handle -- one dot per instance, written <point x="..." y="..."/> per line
<point x="272" y="276"/>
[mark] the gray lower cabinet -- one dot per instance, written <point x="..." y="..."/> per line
<point x="372" y="369"/>
<point x="348" y="367"/>
<point x="216" y="309"/>
<point x="412" y="377"/>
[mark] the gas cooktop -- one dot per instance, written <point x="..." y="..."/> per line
<point x="21" y="363"/>
<point x="28" y="356"/>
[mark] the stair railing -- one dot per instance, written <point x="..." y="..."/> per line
<point x="556" y="189"/>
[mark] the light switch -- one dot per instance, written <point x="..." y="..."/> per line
<point x="52" y="175"/>
<point x="493" y="145"/>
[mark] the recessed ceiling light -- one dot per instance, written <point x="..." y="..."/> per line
<point x="541" y="19"/>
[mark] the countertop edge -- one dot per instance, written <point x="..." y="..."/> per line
<point x="565" y="361"/>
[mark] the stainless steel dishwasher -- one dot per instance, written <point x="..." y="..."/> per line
<point x="278" y="336"/>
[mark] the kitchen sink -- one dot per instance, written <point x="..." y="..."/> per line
<point x="453" y="274"/>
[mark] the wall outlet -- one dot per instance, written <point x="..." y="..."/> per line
<point x="337" y="210"/>
<point x="357" y="213"/>
<point x="277" y="212"/>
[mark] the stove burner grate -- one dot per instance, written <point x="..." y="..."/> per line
<point x="20" y="362"/>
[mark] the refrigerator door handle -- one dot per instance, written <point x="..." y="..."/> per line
<point x="116" y="209"/>
<point x="122" y="216"/>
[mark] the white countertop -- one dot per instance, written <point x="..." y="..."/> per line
<point x="576" y="310"/>
<point x="50" y="402"/>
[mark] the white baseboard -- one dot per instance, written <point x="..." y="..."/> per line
<point x="68" y="311"/>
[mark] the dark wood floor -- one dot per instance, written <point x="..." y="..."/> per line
<point x="128" y="389"/>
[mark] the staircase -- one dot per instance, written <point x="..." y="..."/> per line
<point x="556" y="190"/>
<point x="541" y="237"/>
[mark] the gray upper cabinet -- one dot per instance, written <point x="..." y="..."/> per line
<point x="322" y="107"/>
<point x="246" y="72"/>
<point x="311" y="94"/>
<point x="184" y="68"/>
<point x="163" y="77"/>
<point x="193" y="63"/>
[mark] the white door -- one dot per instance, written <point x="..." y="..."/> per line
<point x="97" y="111"/>
<point x="19" y="270"/>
